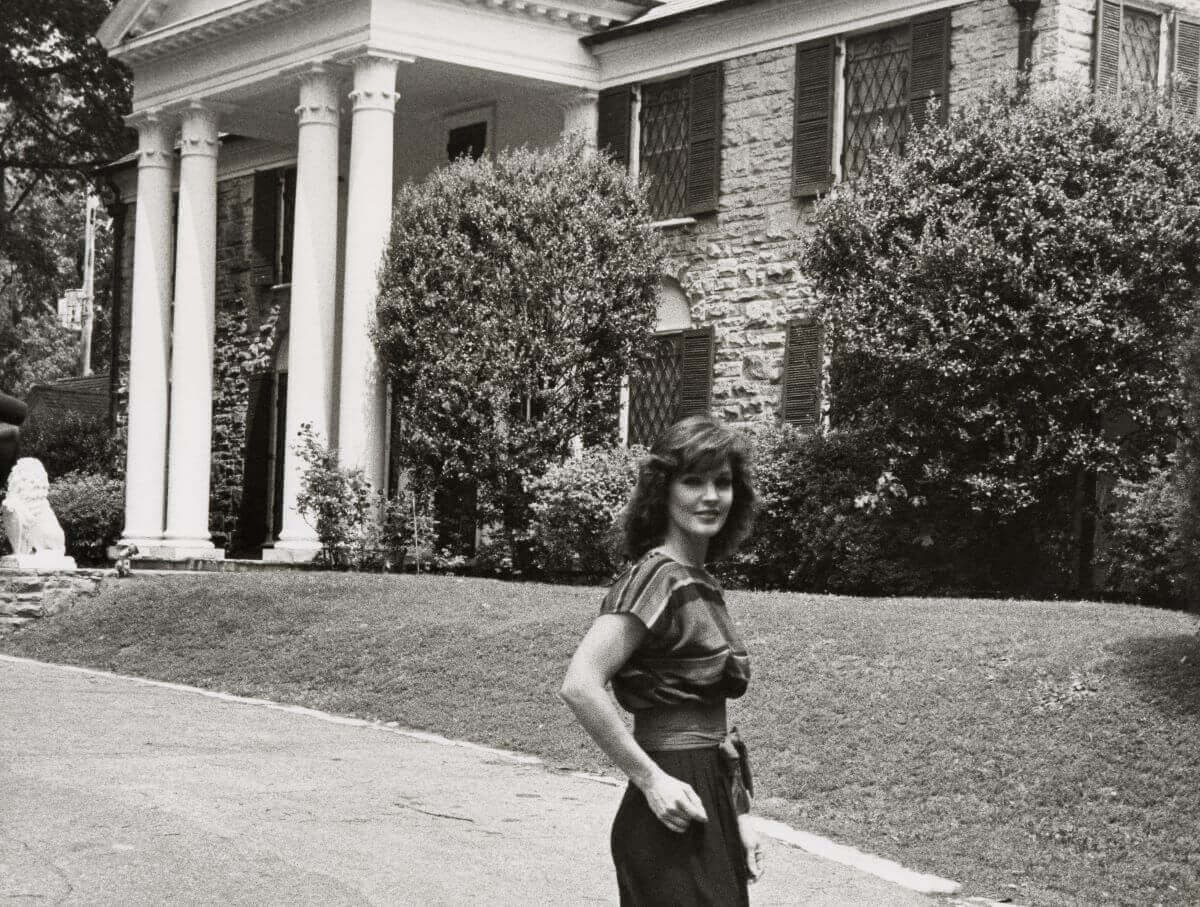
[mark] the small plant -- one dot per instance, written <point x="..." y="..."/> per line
<point x="91" y="509"/>
<point x="575" y="507"/>
<point x="1145" y="556"/>
<point x="337" y="502"/>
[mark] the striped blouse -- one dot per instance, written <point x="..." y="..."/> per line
<point x="692" y="654"/>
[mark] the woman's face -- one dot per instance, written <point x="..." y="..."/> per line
<point x="698" y="502"/>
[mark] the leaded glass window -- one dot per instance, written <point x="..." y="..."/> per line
<point x="1140" y="41"/>
<point x="877" y="92"/>
<point x="654" y="391"/>
<point x="663" y="150"/>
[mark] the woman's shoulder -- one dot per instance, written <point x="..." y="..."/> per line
<point x="655" y="577"/>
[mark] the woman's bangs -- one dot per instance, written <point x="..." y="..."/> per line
<point x="709" y="451"/>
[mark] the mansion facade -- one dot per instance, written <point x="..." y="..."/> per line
<point x="273" y="135"/>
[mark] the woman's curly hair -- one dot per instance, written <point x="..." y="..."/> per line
<point x="695" y="444"/>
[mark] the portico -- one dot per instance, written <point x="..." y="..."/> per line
<point x="357" y="95"/>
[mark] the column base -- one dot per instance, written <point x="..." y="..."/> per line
<point x="292" y="552"/>
<point x="39" y="560"/>
<point x="177" y="550"/>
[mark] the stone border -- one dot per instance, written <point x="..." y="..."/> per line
<point x="29" y="594"/>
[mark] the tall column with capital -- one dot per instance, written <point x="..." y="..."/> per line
<point x="149" y="336"/>
<point x="314" y="288"/>
<point x="362" y="397"/>
<point x="189" y="451"/>
<point x="581" y="115"/>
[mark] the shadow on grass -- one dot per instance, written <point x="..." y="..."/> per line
<point x="1167" y="667"/>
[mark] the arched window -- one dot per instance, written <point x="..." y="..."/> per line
<point x="677" y="381"/>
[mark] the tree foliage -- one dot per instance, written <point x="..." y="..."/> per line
<point x="514" y="295"/>
<point x="1005" y="301"/>
<point x="61" y="103"/>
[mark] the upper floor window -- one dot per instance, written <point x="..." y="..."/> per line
<point x="1143" y="50"/>
<point x="668" y="133"/>
<point x="859" y="94"/>
<point x="876" y="88"/>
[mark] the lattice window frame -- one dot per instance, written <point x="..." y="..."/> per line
<point x="861" y="129"/>
<point x="1111" y="62"/>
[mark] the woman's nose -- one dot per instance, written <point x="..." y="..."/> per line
<point x="710" y="491"/>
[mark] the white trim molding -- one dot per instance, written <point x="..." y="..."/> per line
<point x="674" y="47"/>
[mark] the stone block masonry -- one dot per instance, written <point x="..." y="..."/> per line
<point x="740" y="268"/>
<point x="28" y="595"/>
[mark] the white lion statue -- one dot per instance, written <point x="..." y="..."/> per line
<point x="31" y="525"/>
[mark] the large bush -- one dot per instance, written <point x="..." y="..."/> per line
<point x="91" y="509"/>
<point x="514" y="295"/>
<point x="69" y="442"/>
<point x="831" y="518"/>
<point x="576" y="504"/>
<point x="1003" y="304"/>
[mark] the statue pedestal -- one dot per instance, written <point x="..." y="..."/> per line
<point x="40" y="560"/>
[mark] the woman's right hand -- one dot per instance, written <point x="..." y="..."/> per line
<point x="673" y="802"/>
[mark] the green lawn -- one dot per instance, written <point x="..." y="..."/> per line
<point x="1045" y="752"/>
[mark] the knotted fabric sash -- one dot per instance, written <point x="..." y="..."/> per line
<point x="686" y="727"/>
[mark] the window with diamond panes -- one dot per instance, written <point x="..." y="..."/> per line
<point x="675" y="383"/>
<point x="663" y="150"/>
<point x="877" y="95"/>
<point x="1140" y="41"/>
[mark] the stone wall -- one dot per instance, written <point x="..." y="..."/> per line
<point x="739" y="268"/>
<point x="28" y="595"/>
<point x="246" y="312"/>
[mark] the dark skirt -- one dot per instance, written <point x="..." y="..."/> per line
<point x="704" y="866"/>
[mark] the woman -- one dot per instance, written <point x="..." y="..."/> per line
<point x="665" y="641"/>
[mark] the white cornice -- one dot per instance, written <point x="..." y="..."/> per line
<point x="586" y="18"/>
<point x="675" y="46"/>
<point x="136" y="48"/>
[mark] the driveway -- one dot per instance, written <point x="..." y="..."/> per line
<point x="120" y="791"/>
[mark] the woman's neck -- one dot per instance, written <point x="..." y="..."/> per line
<point x="686" y="549"/>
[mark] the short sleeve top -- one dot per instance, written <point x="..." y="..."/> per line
<point x="692" y="654"/>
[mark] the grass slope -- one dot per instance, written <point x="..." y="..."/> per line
<point x="1047" y="752"/>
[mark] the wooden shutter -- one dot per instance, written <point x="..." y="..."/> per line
<point x="265" y="226"/>
<point x="287" y="179"/>
<point x="614" y="113"/>
<point x="695" y="381"/>
<point x="929" y="76"/>
<point x="1108" y="47"/>
<point x="800" y="402"/>
<point x="1186" y="67"/>
<point x="812" y="118"/>
<point x="704" y="140"/>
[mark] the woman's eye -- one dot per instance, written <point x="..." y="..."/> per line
<point x="724" y="481"/>
<point x="690" y="481"/>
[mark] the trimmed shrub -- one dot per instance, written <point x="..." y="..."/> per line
<point x="1145" y="558"/>
<point x="91" y="509"/>
<point x="514" y="296"/>
<point x="68" y="442"/>
<point x="831" y="518"/>
<point x="575" y="507"/>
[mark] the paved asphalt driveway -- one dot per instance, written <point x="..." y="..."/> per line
<point x="115" y="791"/>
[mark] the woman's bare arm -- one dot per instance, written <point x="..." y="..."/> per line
<point x="605" y="648"/>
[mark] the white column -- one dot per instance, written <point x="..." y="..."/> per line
<point x="149" y="337"/>
<point x="190" y="445"/>
<point x="362" y="403"/>
<point x="581" y="115"/>
<point x="314" y="288"/>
